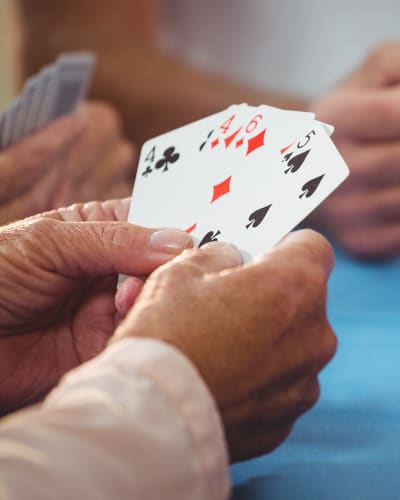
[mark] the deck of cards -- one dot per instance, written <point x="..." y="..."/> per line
<point x="247" y="175"/>
<point x="54" y="92"/>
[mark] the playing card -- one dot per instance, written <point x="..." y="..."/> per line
<point x="40" y="83"/>
<point x="173" y="175"/>
<point x="24" y="105"/>
<point x="261" y="208"/>
<point x="247" y="175"/>
<point x="244" y="143"/>
<point x="56" y="91"/>
<point x="9" y="122"/>
<point x="73" y="77"/>
<point x="49" y="86"/>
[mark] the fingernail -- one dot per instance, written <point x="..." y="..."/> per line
<point x="169" y="241"/>
<point x="226" y="248"/>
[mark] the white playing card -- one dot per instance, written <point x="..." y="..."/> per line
<point x="263" y="207"/>
<point x="253" y="132"/>
<point x="173" y="179"/>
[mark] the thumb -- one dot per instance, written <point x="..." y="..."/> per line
<point x="98" y="248"/>
<point x="306" y="245"/>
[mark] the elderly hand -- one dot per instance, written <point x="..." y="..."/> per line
<point x="363" y="215"/>
<point x="58" y="276"/>
<point x="258" y="334"/>
<point x="78" y="158"/>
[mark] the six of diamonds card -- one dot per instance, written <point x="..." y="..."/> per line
<point x="247" y="175"/>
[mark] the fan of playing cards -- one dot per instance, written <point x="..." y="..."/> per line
<point x="54" y="92"/>
<point x="247" y="175"/>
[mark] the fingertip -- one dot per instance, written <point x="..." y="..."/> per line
<point x="169" y="241"/>
<point x="126" y="295"/>
<point x="72" y="126"/>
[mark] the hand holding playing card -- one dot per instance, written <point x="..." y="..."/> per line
<point x="30" y="171"/>
<point x="247" y="175"/>
<point x="57" y="299"/>
<point x="78" y="158"/>
<point x="363" y="215"/>
<point x="258" y="333"/>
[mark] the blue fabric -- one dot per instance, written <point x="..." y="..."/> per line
<point x="348" y="445"/>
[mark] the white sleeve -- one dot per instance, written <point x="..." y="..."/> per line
<point x="137" y="422"/>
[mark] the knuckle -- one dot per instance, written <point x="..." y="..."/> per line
<point x="126" y="156"/>
<point x="175" y="273"/>
<point x="106" y="115"/>
<point x="312" y="394"/>
<point x="361" y="243"/>
<point x="43" y="226"/>
<point x="380" y="52"/>
<point x="330" y="344"/>
<point x="305" y="396"/>
<point x="383" y="110"/>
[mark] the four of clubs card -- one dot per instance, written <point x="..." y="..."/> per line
<point x="247" y="175"/>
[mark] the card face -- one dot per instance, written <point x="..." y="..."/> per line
<point x="247" y="175"/>
<point x="260" y="210"/>
<point x="173" y="176"/>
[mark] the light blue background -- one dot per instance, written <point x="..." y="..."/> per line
<point x="348" y="445"/>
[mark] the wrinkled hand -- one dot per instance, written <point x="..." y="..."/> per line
<point x="363" y="215"/>
<point x="258" y="334"/>
<point x="58" y="276"/>
<point x="78" y="158"/>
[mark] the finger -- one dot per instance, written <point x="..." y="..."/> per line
<point x="382" y="67"/>
<point x="212" y="258"/>
<point x="98" y="248"/>
<point x="34" y="200"/>
<point x="121" y="189"/>
<point x="117" y="164"/>
<point x="378" y="241"/>
<point x="30" y="158"/>
<point x="308" y="245"/>
<point x="102" y="130"/>
<point x="372" y="164"/>
<point x="109" y="175"/>
<point x="368" y="208"/>
<point x="126" y="295"/>
<point x="110" y="210"/>
<point x="368" y="114"/>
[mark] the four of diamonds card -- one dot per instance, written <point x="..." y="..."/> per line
<point x="247" y="175"/>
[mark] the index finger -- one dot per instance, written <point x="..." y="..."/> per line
<point x="367" y="114"/>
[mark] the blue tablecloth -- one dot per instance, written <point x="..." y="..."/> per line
<point x="348" y="445"/>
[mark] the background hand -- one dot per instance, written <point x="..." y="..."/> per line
<point x="363" y="215"/>
<point x="78" y="158"/>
